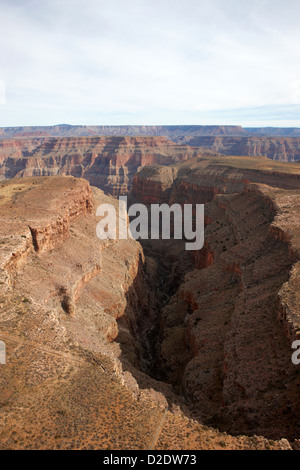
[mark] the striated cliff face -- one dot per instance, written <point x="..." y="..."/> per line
<point x="62" y="293"/>
<point x="277" y="148"/>
<point x="75" y="313"/>
<point x="69" y="304"/>
<point x="281" y="144"/>
<point x="107" y="163"/>
<point x="226" y="332"/>
<point x="171" y="132"/>
<point x="205" y="177"/>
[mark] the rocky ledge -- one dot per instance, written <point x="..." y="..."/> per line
<point x="108" y="163"/>
<point x="72" y="311"/>
<point x="277" y="148"/>
<point x="226" y="330"/>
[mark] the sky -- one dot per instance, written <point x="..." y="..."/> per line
<point x="150" y="62"/>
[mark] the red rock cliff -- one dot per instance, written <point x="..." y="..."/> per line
<point x="277" y="148"/>
<point x="106" y="162"/>
<point x="226" y="334"/>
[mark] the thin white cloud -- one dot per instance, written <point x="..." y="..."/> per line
<point x="2" y="93"/>
<point x="99" y="62"/>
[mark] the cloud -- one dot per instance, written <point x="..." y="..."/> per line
<point x="296" y="92"/>
<point x="97" y="61"/>
<point x="2" y="93"/>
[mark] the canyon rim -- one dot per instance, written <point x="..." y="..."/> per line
<point x="118" y="343"/>
<point x="149" y="229"/>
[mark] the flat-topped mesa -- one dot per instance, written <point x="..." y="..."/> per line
<point x="171" y="132"/>
<point x="106" y="162"/>
<point x="36" y="205"/>
<point x="226" y="333"/>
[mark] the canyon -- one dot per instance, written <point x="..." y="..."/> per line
<point x="110" y="162"/>
<point x="116" y="344"/>
<point x="106" y="162"/>
<point x="226" y="332"/>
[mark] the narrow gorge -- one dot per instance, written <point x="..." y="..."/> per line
<point x="227" y="317"/>
<point x="106" y="339"/>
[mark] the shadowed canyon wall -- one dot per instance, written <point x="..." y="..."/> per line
<point x="72" y="308"/>
<point x="226" y="332"/>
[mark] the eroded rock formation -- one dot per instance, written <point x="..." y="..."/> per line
<point x="171" y="132"/>
<point x="226" y="332"/>
<point x="108" y="163"/>
<point x="277" y="148"/>
<point x="73" y="310"/>
<point x="276" y="143"/>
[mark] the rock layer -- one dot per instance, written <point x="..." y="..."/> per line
<point x="226" y="333"/>
<point x="277" y="148"/>
<point x="68" y="305"/>
<point x="107" y="163"/>
<point x="171" y="132"/>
